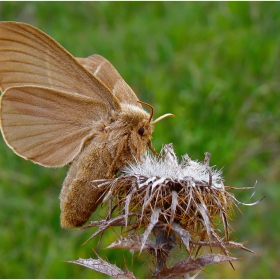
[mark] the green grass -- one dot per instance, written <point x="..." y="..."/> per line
<point x="215" y="65"/>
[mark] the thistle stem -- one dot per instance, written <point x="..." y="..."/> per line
<point x="165" y="242"/>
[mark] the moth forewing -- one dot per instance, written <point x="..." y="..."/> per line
<point x="28" y="56"/>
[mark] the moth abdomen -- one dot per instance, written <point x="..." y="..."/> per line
<point x="79" y="196"/>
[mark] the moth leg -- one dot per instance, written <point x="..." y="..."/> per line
<point x="117" y="157"/>
<point x="153" y="150"/>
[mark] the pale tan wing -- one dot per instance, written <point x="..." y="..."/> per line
<point x="48" y="126"/>
<point x="102" y="69"/>
<point x="30" y="57"/>
<point x="32" y="60"/>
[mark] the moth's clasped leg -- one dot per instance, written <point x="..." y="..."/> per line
<point x="153" y="150"/>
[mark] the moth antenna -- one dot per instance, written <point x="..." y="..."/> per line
<point x="162" y="117"/>
<point x="150" y="106"/>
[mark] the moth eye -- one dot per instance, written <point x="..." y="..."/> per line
<point x="141" y="131"/>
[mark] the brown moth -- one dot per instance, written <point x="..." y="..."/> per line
<point x="58" y="110"/>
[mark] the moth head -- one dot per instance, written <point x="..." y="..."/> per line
<point x="136" y="124"/>
<point x="150" y="123"/>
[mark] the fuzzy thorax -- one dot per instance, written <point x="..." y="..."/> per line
<point x="133" y="117"/>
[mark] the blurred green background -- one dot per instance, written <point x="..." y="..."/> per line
<point x="216" y="66"/>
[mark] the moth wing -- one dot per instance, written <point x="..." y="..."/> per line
<point x="30" y="57"/>
<point x="103" y="70"/>
<point x="48" y="126"/>
<point x="32" y="63"/>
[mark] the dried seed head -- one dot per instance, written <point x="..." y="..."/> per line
<point x="166" y="191"/>
<point x="179" y="202"/>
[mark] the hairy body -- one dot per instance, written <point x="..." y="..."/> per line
<point x="114" y="146"/>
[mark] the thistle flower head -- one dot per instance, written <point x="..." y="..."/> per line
<point x="186" y="195"/>
<point x="177" y="202"/>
